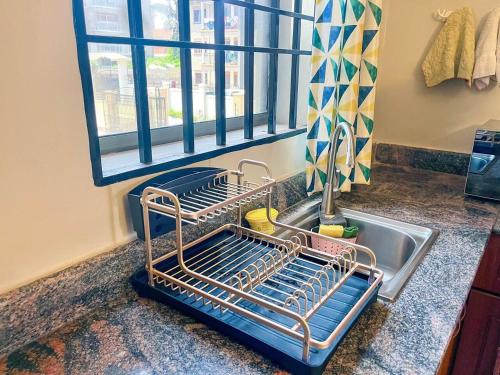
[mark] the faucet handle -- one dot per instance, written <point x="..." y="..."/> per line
<point x="351" y="141"/>
<point x="336" y="187"/>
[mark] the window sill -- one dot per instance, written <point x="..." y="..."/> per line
<point x="124" y="165"/>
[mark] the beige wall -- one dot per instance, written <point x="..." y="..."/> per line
<point x="443" y="117"/>
<point x="52" y="214"/>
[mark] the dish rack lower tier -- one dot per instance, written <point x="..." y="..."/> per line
<point x="278" y="346"/>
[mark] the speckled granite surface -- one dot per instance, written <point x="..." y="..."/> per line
<point x="408" y="336"/>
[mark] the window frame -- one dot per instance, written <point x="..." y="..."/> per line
<point x="145" y="137"/>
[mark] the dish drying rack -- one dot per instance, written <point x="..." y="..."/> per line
<point x="295" y="302"/>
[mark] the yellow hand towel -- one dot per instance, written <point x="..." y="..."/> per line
<point x="331" y="230"/>
<point x="452" y="53"/>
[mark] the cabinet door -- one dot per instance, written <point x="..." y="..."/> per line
<point x="480" y="339"/>
<point x="488" y="274"/>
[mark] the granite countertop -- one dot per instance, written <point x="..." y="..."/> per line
<point x="409" y="336"/>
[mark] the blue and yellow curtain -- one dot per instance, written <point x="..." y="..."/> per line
<point x="342" y="89"/>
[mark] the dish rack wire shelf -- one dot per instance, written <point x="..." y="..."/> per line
<point x="279" y="289"/>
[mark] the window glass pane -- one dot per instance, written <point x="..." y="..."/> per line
<point x="261" y="82"/>
<point x="286" y="5"/>
<point x="234" y="25"/>
<point x="286" y="31"/>
<point x="113" y="83"/>
<point x="203" y="66"/>
<point x="283" y="92"/>
<point x="267" y="3"/>
<point x="202" y="21"/>
<point x="303" y="89"/>
<point x="106" y="17"/>
<point x="308" y="7"/>
<point x="306" y="30"/>
<point x="262" y="23"/>
<point x="234" y="79"/>
<point x="164" y="86"/>
<point x="160" y="20"/>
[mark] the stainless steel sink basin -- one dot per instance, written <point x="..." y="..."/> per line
<point x="479" y="162"/>
<point x="399" y="246"/>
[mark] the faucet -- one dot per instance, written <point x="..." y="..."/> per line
<point x="331" y="189"/>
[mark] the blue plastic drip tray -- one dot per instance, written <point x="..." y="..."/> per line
<point x="277" y="346"/>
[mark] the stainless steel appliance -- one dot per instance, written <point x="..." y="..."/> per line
<point x="483" y="178"/>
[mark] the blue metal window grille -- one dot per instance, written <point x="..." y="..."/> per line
<point x="137" y="42"/>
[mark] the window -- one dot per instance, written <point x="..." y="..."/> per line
<point x="198" y="78"/>
<point x="196" y="16"/>
<point x="105" y="3"/>
<point x="179" y="72"/>
<point x="106" y="22"/>
<point x="106" y="17"/>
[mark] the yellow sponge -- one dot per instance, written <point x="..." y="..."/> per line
<point x="331" y="230"/>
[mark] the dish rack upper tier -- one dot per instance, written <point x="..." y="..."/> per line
<point x="225" y="191"/>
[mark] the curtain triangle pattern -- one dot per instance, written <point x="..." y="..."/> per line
<point x="342" y="88"/>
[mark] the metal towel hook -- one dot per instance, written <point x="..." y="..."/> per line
<point x="442" y="14"/>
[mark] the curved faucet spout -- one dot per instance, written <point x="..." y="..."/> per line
<point x="349" y="136"/>
<point x="331" y="189"/>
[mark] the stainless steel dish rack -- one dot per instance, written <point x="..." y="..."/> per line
<point x="284" y="298"/>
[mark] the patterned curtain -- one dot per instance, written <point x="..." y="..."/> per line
<point x="342" y="89"/>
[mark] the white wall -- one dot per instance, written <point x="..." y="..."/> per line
<point x="52" y="214"/>
<point x="407" y="112"/>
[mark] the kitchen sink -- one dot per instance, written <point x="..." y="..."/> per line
<point x="398" y="246"/>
